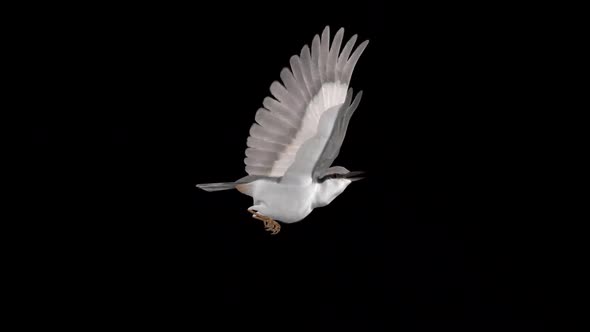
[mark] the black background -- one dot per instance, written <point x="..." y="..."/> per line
<point x="134" y="105"/>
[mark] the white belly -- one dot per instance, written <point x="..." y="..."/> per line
<point x="283" y="202"/>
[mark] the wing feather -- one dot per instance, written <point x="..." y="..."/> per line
<point x="253" y="170"/>
<point x="295" y="63"/>
<point x="306" y="69"/>
<point x="323" y="54"/>
<point x="260" y="158"/>
<point x="343" y="58"/>
<point x="333" y="54"/>
<point x="261" y="144"/>
<point x="265" y="134"/>
<point x="349" y="66"/>
<point x="281" y="111"/>
<point x="282" y="95"/>
<point x="291" y="84"/>
<point x="274" y="123"/>
<point x="315" y="54"/>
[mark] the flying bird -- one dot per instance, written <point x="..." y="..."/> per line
<point x="298" y="133"/>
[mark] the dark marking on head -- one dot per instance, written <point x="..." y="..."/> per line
<point x="350" y="175"/>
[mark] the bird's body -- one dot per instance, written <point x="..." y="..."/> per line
<point x="290" y="203"/>
<point x="298" y="134"/>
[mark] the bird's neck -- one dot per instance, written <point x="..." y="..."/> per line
<point x="328" y="190"/>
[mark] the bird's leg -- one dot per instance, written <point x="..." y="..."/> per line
<point x="269" y="224"/>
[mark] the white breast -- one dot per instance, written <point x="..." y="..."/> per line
<point x="284" y="202"/>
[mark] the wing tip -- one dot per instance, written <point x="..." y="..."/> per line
<point x="363" y="45"/>
<point x="326" y="35"/>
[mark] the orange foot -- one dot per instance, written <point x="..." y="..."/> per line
<point x="269" y="224"/>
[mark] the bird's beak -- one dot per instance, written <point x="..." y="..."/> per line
<point x="355" y="176"/>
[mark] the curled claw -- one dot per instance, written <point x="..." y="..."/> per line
<point x="272" y="226"/>
<point x="269" y="224"/>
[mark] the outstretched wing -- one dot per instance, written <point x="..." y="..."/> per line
<point x="316" y="84"/>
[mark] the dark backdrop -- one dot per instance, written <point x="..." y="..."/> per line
<point x="134" y="105"/>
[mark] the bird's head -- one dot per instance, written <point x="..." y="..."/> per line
<point x="332" y="185"/>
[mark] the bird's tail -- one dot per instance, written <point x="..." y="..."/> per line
<point x="217" y="186"/>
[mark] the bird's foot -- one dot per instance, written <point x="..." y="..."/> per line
<point x="269" y="224"/>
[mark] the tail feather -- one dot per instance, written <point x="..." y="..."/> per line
<point x="217" y="186"/>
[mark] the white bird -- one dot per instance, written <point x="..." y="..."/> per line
<point x="298" y="134"/>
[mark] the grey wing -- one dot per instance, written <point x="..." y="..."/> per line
<point x="332" y="147"/>
<point x="317" y="153"/>
<point x="317" y="84"/>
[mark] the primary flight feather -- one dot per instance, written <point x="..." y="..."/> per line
<point x="298" y="133"/>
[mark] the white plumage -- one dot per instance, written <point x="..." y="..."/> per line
<point x="298" y="134"/>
